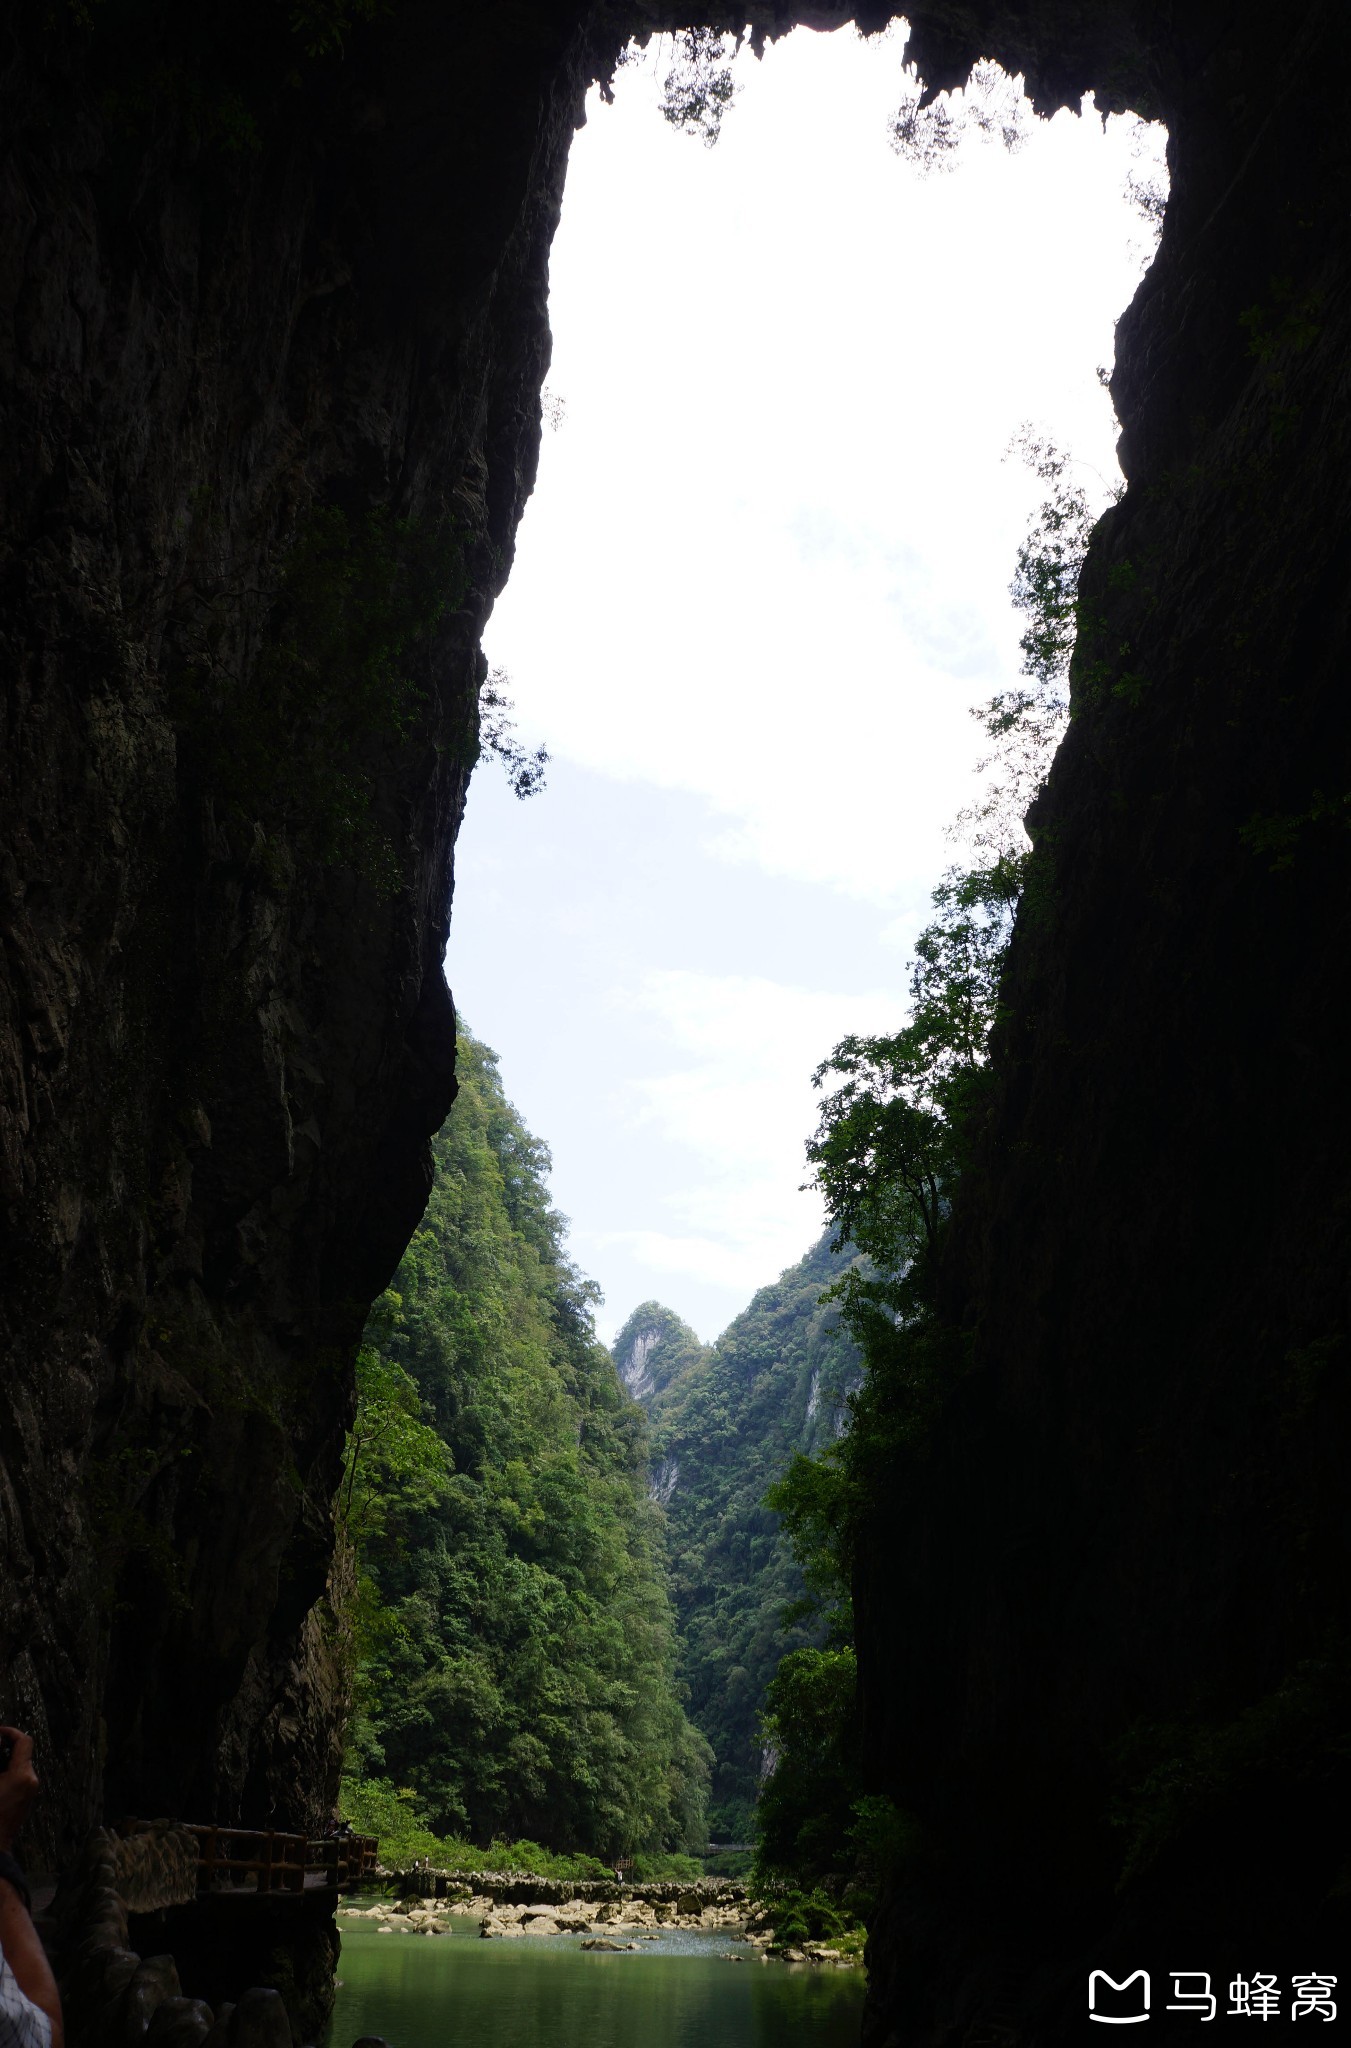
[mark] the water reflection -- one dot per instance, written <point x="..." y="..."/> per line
<point x="457" y="1991"/>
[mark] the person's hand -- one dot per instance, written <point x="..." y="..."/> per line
<point x="18" y="1786"/>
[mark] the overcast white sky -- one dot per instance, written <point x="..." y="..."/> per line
<point x="761" y="582"/>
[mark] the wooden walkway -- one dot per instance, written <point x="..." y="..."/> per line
<point x="264" y="1863"/>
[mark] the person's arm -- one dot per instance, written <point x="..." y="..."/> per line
<point x="19" y="1941"/>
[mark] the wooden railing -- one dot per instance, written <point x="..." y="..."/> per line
<point x="263" y="1860"/>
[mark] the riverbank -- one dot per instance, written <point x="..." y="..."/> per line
<point x="510" y="1905"/>
<point x="526" y="1888"/>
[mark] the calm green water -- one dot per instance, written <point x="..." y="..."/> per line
<point x="457" y="1991"/>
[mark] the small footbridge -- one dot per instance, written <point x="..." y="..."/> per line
<point x="265" y="1863"/>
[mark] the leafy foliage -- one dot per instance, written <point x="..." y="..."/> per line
<point x="497" y="735"/>
<point x="991" y="106"/>
<point x="797" y="1914"/>
<point x="375" y="1808"/>
<point x="888" y="1145"/>
<point x="809" y="1501"/>
<point x="517" y="1653"/>
<point x="894" y="1134"/>
<point x="893" y="1138"/>
<point x="699" y="86"/>
<point x="727" y="1420"/>
<point x="395" y="1461"/>
<point x="806" y="1807"/>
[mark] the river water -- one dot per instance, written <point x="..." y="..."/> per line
<point x="459" y="1991"/>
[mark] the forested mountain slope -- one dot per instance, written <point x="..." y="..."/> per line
<point x="726" y="1420"/>
<point x="654" y="1352"/>
<point x="517" y="1653"/>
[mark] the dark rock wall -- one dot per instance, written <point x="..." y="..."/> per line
<point x="237" y="279"/>
<point x="1114" y="1591"/>
<point x="220" y="1058"/>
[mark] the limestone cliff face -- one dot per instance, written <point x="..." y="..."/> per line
<point x="239" y="282"/>
<point x="1115" y="1589"/>
<point x="236" y="285"/>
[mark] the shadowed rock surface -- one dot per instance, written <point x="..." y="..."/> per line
<point x="241" y="286"/>
<point x="1102" y="1620"/>
<point x="221" y="1054"/>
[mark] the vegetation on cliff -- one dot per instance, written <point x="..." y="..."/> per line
<point x="654" y="1352"/>
<point x="727" y="1419"/>
<point x="516" y="1649"/>
<point x="894" y="1135"/>
<point x="521" y="1665"/>
<point x="896" y="1131"/>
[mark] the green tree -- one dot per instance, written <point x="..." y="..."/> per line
<point x="888" y="1145"/>
<point x="727" y="1420"/>
<point x="395" y="1461"/>
<point x="524" y="767"/>
<point x="518" y="1652"/>
<point x="894" y="1135"/>
<point x="806" y="1812"/>
<point x="699" y="87"/>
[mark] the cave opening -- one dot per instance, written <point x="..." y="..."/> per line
<point x="760" y="591"/>
<point x="301" y="269"/>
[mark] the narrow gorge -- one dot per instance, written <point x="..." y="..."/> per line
<point x="273" y="332"/>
